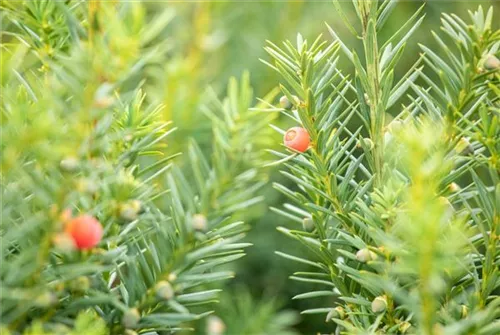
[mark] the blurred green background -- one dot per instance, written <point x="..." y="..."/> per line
<point x="222" y="39"/>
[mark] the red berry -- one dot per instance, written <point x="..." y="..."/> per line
<point x="85" y="230"/>
<point x="297" y="138"/>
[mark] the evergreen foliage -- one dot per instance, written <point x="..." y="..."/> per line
<point x="404" y="213"/>
<point x="392" y="186"/>
<point x="78" y="134"/>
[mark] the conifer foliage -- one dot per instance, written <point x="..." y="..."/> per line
<point x="101" y="232"/>
<point x="393" y="185"/>
<point x="399" y="216"/>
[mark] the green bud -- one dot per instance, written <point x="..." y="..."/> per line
<point x="308" y="224"/>
<point x="130" y="332"/>
<point x="379" y="304"/>
<point x="172" y="277"/>
<point x="131" y="318"/>
<point x="464" y="147"/>
<point x="63" y="243"/>
<point x="454" y="187"/>
<point x="46" y="299"/>
<point x="130" y="210"/>
<point x="80" y="284"/>
<point x="164" y="290"/>
<point x="127" y="213"/>
<point x="492" y="62"/>
<point x="365" y="255"/>
<point x="367" y="99"/>
<point x="286" y="103"/>
<point x="395" y="126"/>
<point x="199" y="222"/>
<point x="70" y="164"/>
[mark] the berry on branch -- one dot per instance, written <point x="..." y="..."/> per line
<point x="85" y="230"/>
<point x="297" y="138"/>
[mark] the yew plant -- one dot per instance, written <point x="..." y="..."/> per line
<point x="103" y="229"/>
<point x="394" y="186"/>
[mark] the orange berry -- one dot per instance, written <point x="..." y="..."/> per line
<point x="297" y="138"/>
<point x="85" y="230"/>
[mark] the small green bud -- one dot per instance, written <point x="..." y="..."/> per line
<point x="164" y="290"/>
<point x="130" y="210"/>
<point x="127" y="213"/>
<point x="365" y="255"/>
<point x="285" y="103"/>
<point x="454" y="187"/>
<point x="80" y="284"/>
<point x="199" y="222"/>
<point x="131" y="318"/>
<point x="367" y="99"/>
<point x="379" y="304"/>
<point x="464" y="147"/>
<point x="308" y="224"/>
<point x="492" y="62"/>
<point x="130" y="332"/>
<point x="395" y="126"/>
<point x="63" y="243"/>
<point x="70" y="164"/>
<point x="46" y="299"/>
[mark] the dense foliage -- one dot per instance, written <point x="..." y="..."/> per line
<point x="134" y="167"/>
<point x="401" y="215"/>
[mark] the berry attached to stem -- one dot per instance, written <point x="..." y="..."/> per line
<point x="297" y="138"/>
<point x="85" y="231"/>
